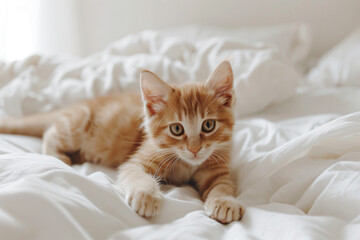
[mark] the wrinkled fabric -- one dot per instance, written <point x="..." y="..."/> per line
<point x="340" y="66"/>
<point x="263" y="71"/>
<point x="296" y="165"/>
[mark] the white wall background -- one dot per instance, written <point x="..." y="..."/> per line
<point x="81" y="27"/>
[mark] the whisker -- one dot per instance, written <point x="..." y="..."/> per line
<point x="172" y="163"/>
<point x="168" y="159"/>
<point x="221" y="159"/>
<point x="217" y="161"/>
<point x="175" y="162"/>
<point x="161" y="164"/>
<point x="152" y="159"/>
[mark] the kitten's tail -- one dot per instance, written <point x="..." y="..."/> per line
<point x="34" y="125"/>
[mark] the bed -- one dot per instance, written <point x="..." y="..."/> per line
<point x="296" y="158"/>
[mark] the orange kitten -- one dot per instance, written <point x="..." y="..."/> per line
<point x="176" y="134"/>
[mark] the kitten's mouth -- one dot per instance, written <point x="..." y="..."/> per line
<point x="196" y="160"/>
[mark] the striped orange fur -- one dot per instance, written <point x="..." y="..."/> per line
<point x="176" y="134"/>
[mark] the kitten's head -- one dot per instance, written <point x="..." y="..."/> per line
<point x="192" y="120"/>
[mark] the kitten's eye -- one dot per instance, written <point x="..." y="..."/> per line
<point x="177" y="129"/>
<point x="208" y="125"/>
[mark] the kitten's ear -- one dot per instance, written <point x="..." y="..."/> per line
<point x="155" y="91"/>
<point x="221" y="81"/>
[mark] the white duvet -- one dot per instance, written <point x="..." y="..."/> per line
<point x="298" y="175"/>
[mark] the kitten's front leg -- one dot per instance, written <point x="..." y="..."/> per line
<point x="142" y="190"/>
<point x="218" y="192"/>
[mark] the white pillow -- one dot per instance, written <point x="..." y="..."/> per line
<point x="291" y="40"/>
<point x="262" y="76"/>
<point x="340" y="66"/>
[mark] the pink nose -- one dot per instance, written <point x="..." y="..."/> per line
<point x="194" y="149"/>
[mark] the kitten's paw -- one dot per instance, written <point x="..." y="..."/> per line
<point x="224" y="209"/>
<point x="144" y="203"/>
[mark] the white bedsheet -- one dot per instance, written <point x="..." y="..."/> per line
<point x="297" y="166"/>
